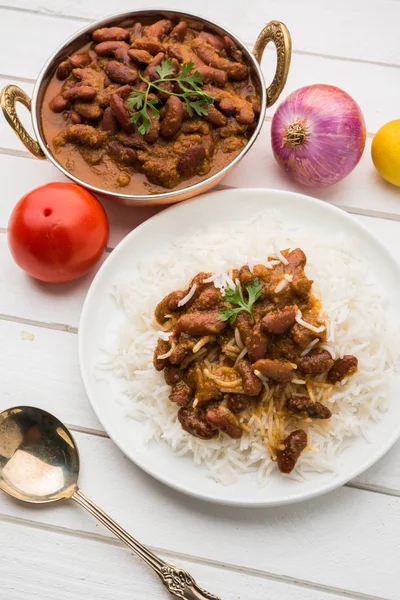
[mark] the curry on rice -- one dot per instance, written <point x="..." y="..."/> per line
<point x="233" y="346"/>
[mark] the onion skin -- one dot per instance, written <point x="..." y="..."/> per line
<point x="330" y="136"/>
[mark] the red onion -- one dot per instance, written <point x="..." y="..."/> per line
<point x="318" y="135"/>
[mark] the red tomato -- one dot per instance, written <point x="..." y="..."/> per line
<point x="57" y="232"/>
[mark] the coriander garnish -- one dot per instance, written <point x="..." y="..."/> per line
<point x="196" y="100"/>
<point x="235" y="296"/>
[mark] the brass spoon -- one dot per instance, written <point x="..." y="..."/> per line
<point x="39" y="463"/>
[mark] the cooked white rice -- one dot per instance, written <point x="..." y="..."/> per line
<point x="354" y="308"/>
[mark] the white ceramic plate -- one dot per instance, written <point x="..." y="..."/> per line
<point x="100" y="317"/>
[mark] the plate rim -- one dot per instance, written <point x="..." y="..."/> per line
<point x="337" y="481"/>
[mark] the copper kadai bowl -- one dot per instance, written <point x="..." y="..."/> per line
<point x="274" y="31"/>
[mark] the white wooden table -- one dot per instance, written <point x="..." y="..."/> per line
<point x="344" y="545"/>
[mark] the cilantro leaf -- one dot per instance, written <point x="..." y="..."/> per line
<point x="189" y="83"/>
<point x="165" y="69"/>
<point x="235" y="296"/>
<point x="199" y="107"/>
<point x="135" y="100"/>
<point x="186" y="68"/>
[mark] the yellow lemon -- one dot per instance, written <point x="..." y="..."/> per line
<point x="385" y="151"/>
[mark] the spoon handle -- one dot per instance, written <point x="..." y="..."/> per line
<point x="178" y="582"/>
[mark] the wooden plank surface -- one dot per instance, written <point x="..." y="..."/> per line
<point x="365" y="31"/>
<point x="309" y="541"/>
<point x="78" y="567"/>
<point x="344" y="545"/>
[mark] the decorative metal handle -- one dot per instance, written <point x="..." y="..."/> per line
<point x="278" y="33"/>
<point x="10" y="95"/>
<point x="177" y="581"/>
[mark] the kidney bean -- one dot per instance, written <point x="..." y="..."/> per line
<point x="181" y="394"/>
<point x="258" y="343"/>
<point x="151" y="46"/>
<point x="212" y="75"/>
<point x="123" y="155"/>
<point x="121" y="113"/>
<point x="199" y="281"/>
<point x="204" y="50"/>
<point x="343" y="367"/>
<point x="182" y="350"/>
<point x="173" y="117"/>
<point x="300" y="283"/>
<point x="208" y="145"/>
<point x="237" y="403"/>
<point x="179" y="31"/>
<point x="232" y="50"/>
<point x="300" y="403"/>
<point x="75" y="118"/>
<point x="172" y="375"/>
<point x="191" y="160"/>
<point x="152" y="135"/>
<point x="313" y="364"/>
<point x="281" y="321"/>
<point x="59" y="104"/>
<point x="227" y="107"/>
<point x="150" y="71"/>
<point x="81" y="134"/>
<point x="88" y="110"/>
<point x="274" y="369"/>
<point x="208" y="299"/>
<point x="169" y="304"/>
<point x="108" y="34"/>
<point x="294" y="444"/>
<point x="211" y="39"/>
<point x="245" y="324"/>
<point x="251" y="384"/>
<point x="158" y="29"/>
<point x="215" y="117"/>
<point x="80" y="60"/>
<point x="109" y="48"/>
<point x="64" y="69"/>
<point x="222" y="418"/>
<point x="200" y="323"/>
<point x="296" y="258"/>
<point x="195" y="423"/>
<point x="140" y="56"/>
<point x="135" y="33"/>
<point x="123" y="91"/>
<point x="162" y="347"/>
<point x="132" y="140"/>
<point x="236" y="71"/>
<point x="79" y="92"/>
<point x="122" y="55"/>
<point x="175" y="53"/>
<point x="107" y="81"/>
<point x="109" y="121"/>
<point x="245" y="115"/>
<point x="120" y="73"/>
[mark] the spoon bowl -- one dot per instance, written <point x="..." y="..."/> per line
<point x="39" y="460"/>
<point x="39" y="463"/>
